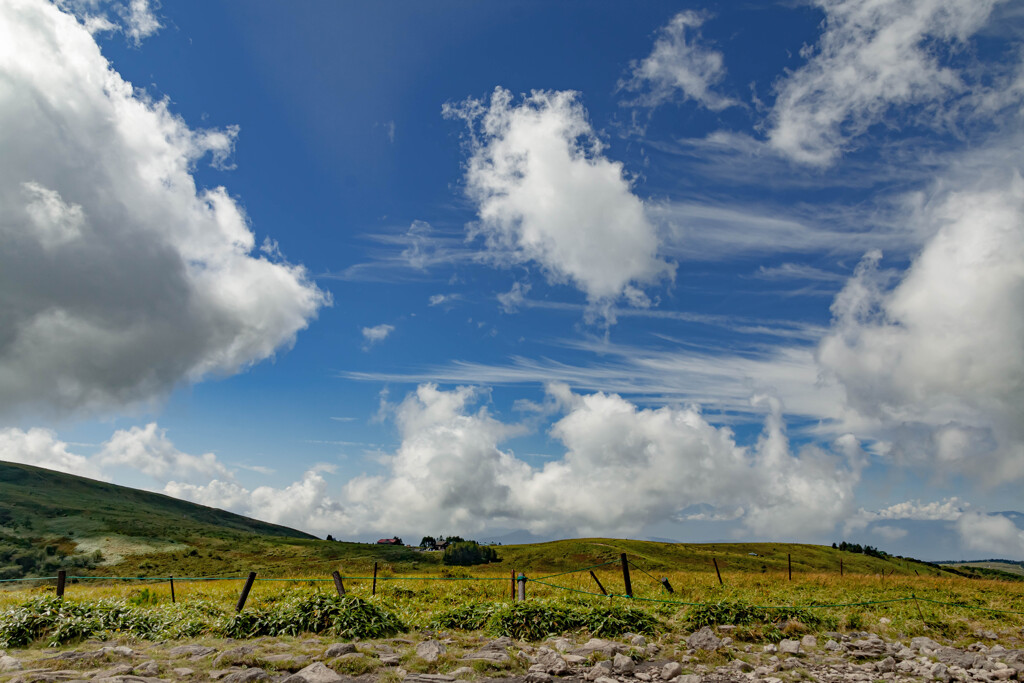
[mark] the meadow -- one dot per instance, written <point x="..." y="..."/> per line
<point x="765" y="606"/>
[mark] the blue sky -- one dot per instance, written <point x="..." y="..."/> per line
<point x="698" y="271"/>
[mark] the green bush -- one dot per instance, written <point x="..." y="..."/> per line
<point x="538" y="620"/>
<point x="314" y="612"/>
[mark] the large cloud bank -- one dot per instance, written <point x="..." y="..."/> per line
<point x="934" y="365"/>
<point x="622" y="467"/>
<point x="119" y="277"/>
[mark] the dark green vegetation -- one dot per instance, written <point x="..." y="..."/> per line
<point x="538" y="620"/>
<point x="1003" y="570"/>
<point x="55" y="622"/>
<point x="468" y="553"/>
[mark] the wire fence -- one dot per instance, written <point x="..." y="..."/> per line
<point x="519" y="581"/>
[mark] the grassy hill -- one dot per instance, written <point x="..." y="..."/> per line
<point x="51" y="520"/>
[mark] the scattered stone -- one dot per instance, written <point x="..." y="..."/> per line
<point x="789" y="647"/>
<point x="924" y="644"/>
<point x="495" y="651"/>
<point x="318" y="672"/>
<point x="605" y="679"/>
<point x="704" y="639"/>
<point x="538" y="677"/>
<point x="638" y="641"/>
<point x="623" y="664"/>
<point x="147" y="669"/>
<point x="390" y="660"/>
<point x="808" y="642"/>
<point x="608" y="647"/>
<point x="599" y="670"/>
<point x="234" y="656"/>
<point x="671" y="670"/>
<point x="463" y="671"/>
<point x="832" y="646"/>
<point x="887" y="665"/>
<point x="427" y="678"/>
<point x="339" y="649"/>
<point x="193" y="651"/>
<point x="563" y="644"/>
<point x="182" y="672"/>
<point x="689" y="678"/>
<point x="8" y="663"/>
<point x="430" y="650"/>
<point x="550" y="662"/>
<point x="742" y="666"/>
<point x="245" y="676"/>
<point x="885" y="621"/>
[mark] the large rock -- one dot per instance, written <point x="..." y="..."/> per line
<point x="494" y="651"/>
<point x="549" y="661"/>
<point x="608" y="647"/>
<point x="789" y="647"/>
<point x="671" y="670"/>
<point x="430" y="650"/>
<point x="924" y="644"/>
<point x="623" y="664"/>
<point x="318" y="672"/>
<point x="704" y="639"/>
<point x="599" y="670"/>
<point x="339" y="649"/>
<point x="245" y="676"/>
<point x="8" y="663"/>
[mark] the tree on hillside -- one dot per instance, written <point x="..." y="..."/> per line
<point x="468" y="553"/>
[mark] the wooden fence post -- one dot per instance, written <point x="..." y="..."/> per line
<point x="245" y="592"/>
<point x="718" y="572"/>
<point x="625" y="575"/>
<point x="172" y="590"/>
<point x="338" y="585"/>
<point x="594" y="576"/>
<point x="789" y="563"/>
<point x="62" y="576"/>
<point x="521" y="587"/>
<point x="840" y="567"/>
<point x="374" y="592"/>
<point x="666" y="584"/>
<point x="513" y="585"/>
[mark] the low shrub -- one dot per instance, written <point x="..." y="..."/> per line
<point x="314" y="612"/>
<point x="537" y="620"/>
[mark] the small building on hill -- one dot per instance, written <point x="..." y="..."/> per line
<point x="389" y="541"/>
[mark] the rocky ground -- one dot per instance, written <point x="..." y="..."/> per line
<point x="706" y="656"/>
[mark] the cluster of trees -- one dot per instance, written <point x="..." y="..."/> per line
<point x="468" y="553"/>
<point x="433" y="543"/>
<point x="19" y="558"/>
<point x="858" y="548"/>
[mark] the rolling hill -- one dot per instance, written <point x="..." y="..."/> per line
<point x="50" y="520"/>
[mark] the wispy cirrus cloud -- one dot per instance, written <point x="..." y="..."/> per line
<point x="680" y="66"/>
<point x="871" y="57"/>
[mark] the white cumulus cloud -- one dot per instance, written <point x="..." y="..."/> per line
<point x="148" y="450"/>
<point x="545" y="193"/>
<point x="41" y="448"/>
<point x="119" y="277"/>
<point x="934" y="364"/>
<point x="678" y="65"/>
<point x="994" y="534"/>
